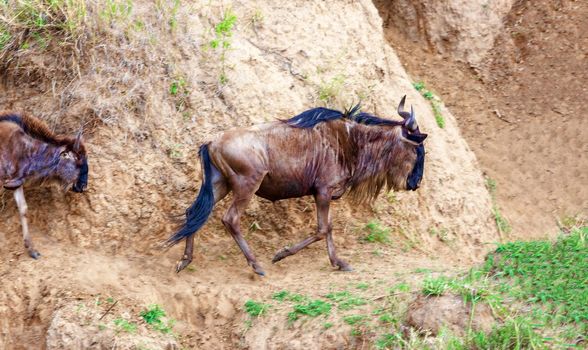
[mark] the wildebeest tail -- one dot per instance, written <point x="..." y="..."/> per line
<point x="200" y="210"/>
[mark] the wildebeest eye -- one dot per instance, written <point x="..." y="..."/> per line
<point x="66" y="155"/>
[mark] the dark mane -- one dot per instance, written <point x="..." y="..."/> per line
<point x="369" y="119"/>
<point x="35" y="128"/>
<point x="312" y="117"/>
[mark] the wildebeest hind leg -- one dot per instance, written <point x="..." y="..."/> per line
<point x="22" y="211"/>
<point x="243" y="189"/>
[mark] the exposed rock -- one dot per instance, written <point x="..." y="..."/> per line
<point x="431" y="314"/>
<point x="460" y="28"/>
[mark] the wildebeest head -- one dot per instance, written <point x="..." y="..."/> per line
<point x="412" y="135"/>
<point x="73" y="164"/>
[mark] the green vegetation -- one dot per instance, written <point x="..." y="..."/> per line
<point x="329" y="90"/>
<point x="501" y="222"/>
<point x="433" y="100"/>
<point x="353" y="319"/>
<point x="154" y="316"/>
<point x="435" y="286"/>
<point x="376" y="233"/>
<point x="537" y="291"/>
<point x="223" y="32"/>
<point x="179" y="89"/>
<point x="255" y="309"/>
<point x="116" y="10"/>
<point x="27" y="22"/>
<point x="345" y="300"/>
<point x="552" y="274"/>
<point x="285" y="295"/>
<point x="124" y="325"/>
<point x="312" y="308"/>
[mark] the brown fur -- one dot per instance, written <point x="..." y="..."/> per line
<point x="278" y="161"/>
<point x="31" y="153"/>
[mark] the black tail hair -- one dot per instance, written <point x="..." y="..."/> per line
<point x="200" y="210"/>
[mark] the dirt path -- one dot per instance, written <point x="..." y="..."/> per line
<point x="206" y="300"/>
<point x="522" y="110"/>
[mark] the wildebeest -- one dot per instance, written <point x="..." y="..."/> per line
<point x="320" y="152"/>
<point x="31" y="154"/>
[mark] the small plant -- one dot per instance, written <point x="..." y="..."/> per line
<point x="329" y="90"/>
<point x="362" y="286"/>
<point x="387" y="319"/>
<point x="312" y="308"/>
<point x="516" y="333"/>
<point x="389" y="341"/>
<point x="116" y="10"/>
<point x="346" y="300"/>
<point x="435" y="286"/>
<point x="433" y="100"/>
<point x="353" y="319"/>
<point x="376" y="233"/>
<point x="180" y="91"/>
<point x="223" y="32"/>
<point x="154" y="316"/>
<point x="327" y="325"/>
<point x="501" y="222"/>
<point x="175" y="151"/>
<point x="285" y="295"/>
<point x="124" y="325"/>
<point x="255" y="309"/>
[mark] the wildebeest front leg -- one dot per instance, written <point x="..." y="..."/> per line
<point x="325" y="226"/>
<point x="322" y="232"/>
<point x="22" y="211"/>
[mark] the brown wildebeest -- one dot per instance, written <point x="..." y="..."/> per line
<point x="31" y="153"/>
<point x="321" y="152"/>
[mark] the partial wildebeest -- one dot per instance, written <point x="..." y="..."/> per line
<point x="321" y="152"/>
<point x="31" y="154"/>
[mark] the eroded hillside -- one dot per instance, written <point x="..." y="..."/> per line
<point x="150" y="82"/>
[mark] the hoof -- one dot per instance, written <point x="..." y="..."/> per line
<point x="281" y="255"/>
<point x="34" y="254"/>
<point x="258" y="270"/>
<point x="345" y="267"/>
<point x="182" y="264"/>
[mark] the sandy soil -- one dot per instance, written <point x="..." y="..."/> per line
<point x="521" y="109"/>
<point x="143" y="143"/>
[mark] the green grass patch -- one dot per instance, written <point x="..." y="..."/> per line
<point x="553" y="274"/>
<point x="285" y="295"/>
<point x="313" y="308"/>
<point x="256" y="309"/>
<point x="501" y="222"/>
<point x="354" y="319"/>
<point x="433" y="100"/>
<point x="124" y="325"/>
<point x="155" y="316"/>
<point x="376" y="233"/>
<point x="435" y="286"/>
<point x="345" y="300"/>
<point x="329" y="90"/>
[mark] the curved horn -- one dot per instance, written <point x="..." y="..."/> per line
<point x="78" y="141"/>
<point x="401" y="111"/>
<point x="411" y="123"/>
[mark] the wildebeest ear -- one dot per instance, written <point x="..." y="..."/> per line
<point x="415" y="139"/>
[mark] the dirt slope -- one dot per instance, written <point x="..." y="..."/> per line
<point x="142" y="140"/>
<point x="521" y="108"/>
